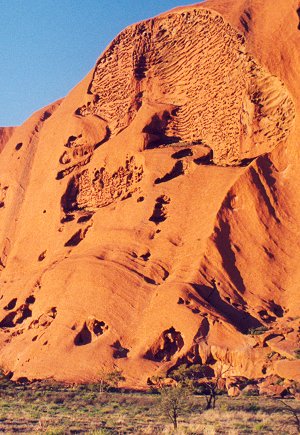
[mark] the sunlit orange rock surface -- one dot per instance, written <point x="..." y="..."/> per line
<point x="152" y="216"/>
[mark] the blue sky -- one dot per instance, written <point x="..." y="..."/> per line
<point x="48" y="46"/>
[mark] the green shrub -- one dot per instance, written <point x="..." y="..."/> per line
<point x="259" y="427"/>
<point x="257" y="331"/>
<point x="250" y="393"/>
<point x="252" y="407"/>
<point x="51" y="430"/>
<point x="110" y="380"/>
<point x="297" y="353"/>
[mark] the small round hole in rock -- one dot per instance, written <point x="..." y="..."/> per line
<point x="11" y="305"/>
<point x="42" y="256"/>
<point x="146" y="256"/>
<point x="30" y="299"/>
<point x="18" y="146"/>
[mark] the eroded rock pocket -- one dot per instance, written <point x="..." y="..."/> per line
<point x="16" y="317"/>
<point x="186" y="152"/>
<point x="169" y="343"/>
<point x="90" y="190"/>
<point x="18" y="146"/>
<point x="160" y="211"/>
<point x="178" y="169"/>
<point x="11" y="305"/>
<point x="44" y="320"/>
<point x="77" y="237"/>
<point x="119" y="350"/>
<point x="91" y="329"/>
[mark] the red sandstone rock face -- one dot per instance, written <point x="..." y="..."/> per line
<point x="152" y="217"/>
<point x="5" y="134"/>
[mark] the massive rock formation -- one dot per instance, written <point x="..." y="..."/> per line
<point x="151" y="217"/>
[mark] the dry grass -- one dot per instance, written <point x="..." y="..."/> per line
<point x="60" y="410"/>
